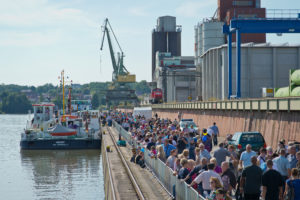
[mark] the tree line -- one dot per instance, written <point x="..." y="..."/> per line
<point x="12" y="101"/>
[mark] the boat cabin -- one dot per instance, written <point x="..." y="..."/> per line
<point x="42" y="112"/>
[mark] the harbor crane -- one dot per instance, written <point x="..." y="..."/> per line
<point x="119" y="90"/>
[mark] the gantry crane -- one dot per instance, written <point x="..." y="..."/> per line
<point x="119" y="90"/>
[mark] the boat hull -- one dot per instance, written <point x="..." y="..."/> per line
<point x="61" y="144"/>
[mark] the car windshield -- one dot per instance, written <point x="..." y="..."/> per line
<point x="235" y="137"/>
<point x="189" y="123"/>
<point x="251" y="138"/>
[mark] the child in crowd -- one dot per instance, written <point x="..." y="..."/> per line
<point x="153" y="153"/>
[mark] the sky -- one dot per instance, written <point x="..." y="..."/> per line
<point x="40" y="38"/>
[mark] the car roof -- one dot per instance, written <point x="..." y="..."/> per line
<point x="253" y="132"/>
<point x="186" y="120"/>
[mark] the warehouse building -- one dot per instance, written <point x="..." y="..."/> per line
<point x="176" y="76"/>
<point x="263" y="66"/>
<point x="209" y="32"/>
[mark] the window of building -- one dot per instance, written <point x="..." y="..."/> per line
<point x="242" y="3"/>
<point x="247" y="16"/>
<point x="185" y="78"/>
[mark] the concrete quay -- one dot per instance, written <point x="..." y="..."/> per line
<point x="118" y="184"/>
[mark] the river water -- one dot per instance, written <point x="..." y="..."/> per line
<point x="31" y="175"/>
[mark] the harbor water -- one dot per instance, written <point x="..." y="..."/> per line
<point x="60" y="174"/>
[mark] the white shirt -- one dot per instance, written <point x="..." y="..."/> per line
<point x="210" y="131"/>
<point x="204" y="177"/>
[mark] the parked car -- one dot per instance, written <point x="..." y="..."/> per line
<point x="241" y="139"/>
<point x="189" y="122"/>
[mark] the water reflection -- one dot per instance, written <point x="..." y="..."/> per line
<point x="72" y="174"/>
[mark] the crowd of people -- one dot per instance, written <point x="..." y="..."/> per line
<point x="213" y="168"/>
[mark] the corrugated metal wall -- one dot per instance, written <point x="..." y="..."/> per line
<point x="261" y="66"/>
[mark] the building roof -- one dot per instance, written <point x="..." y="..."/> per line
<point x="256" y="45"/>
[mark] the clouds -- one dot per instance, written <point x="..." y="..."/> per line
<point x="194" y="9"/>
<point x="39" y="22"/>
<point x="140" y="11"/>
<point x="30" y="38"/>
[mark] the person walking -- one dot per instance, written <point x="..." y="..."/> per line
<point x="246" y="156"/>
<point x="203" y="152"/>
<point x="228" y="177"/>
<point x="292" y="187"/>
<point x="204" y="177"/>
<point x="251" y="181"/>
<point x="215" y="133"/>
<point x="181" y="143"/>
<point x="283" y="165"/>
<point x="261" y="159"/>
<point x="221" y="154"/>
<point x="272" y="183"/>
<point x="292" y="156"/>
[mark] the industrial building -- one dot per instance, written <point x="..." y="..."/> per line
<point x="229" y="9"/>
<point x="209" y="33"/>
<point x="166" y="37"/>
<point x="176" y="76"/>
<point x="263" y="66"/>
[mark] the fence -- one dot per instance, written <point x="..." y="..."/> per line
<point x="291" y="104"/>
<point x="178" y="189"/>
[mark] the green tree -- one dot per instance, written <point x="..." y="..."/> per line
<point x="15" y="103"/>
<point x="95" y="101"/>
<point x="58" y="101"/>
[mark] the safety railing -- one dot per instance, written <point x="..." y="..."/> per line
<point x="282" y="13"/>
<point x="266" y="104"/>
<point x="173" y="185"/>
<point x="274" y="14"/>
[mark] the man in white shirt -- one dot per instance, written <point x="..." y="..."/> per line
<point x="204" y="177"/>
<point x="245" y="159"/>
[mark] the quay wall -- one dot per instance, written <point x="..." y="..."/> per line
<point x="273" y="125"/>
<point x="105" y="165"/>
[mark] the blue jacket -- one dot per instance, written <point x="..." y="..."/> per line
<point x="168" y="149"/>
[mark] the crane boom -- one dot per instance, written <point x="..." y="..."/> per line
<point x="120" y="72"/>
<point x="112" y="55"/>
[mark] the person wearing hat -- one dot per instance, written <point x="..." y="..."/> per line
<point x="206" y="140"/>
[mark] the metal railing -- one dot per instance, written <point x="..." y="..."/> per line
<point x="282" y="13"/>
<point x="274" y="14"/>
<point x="172" y="184"/>
<point x="265" y="104"/>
